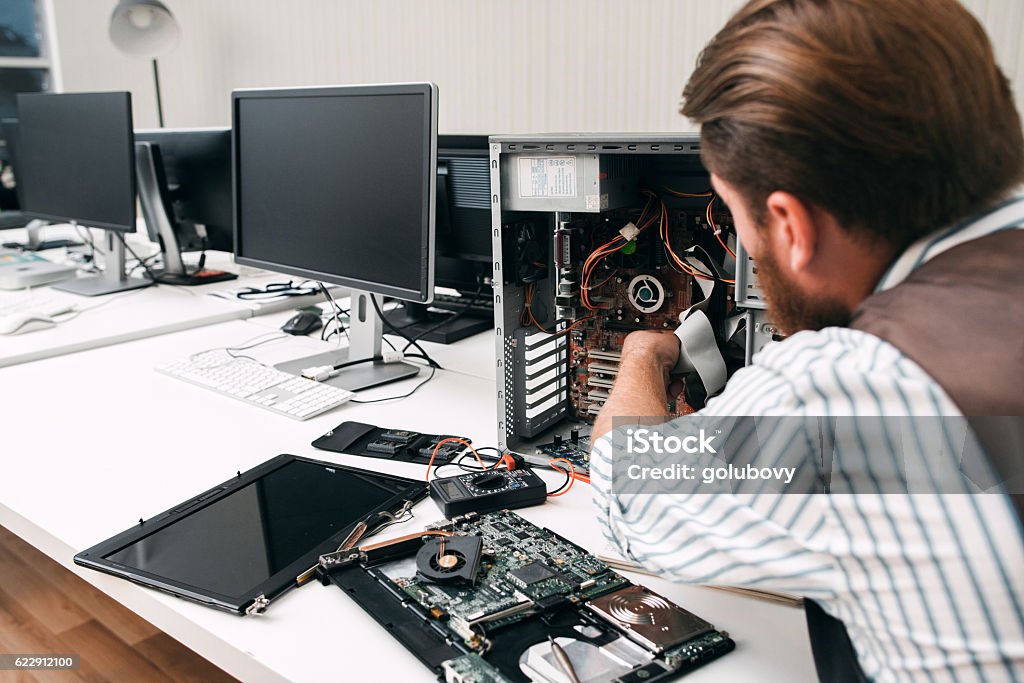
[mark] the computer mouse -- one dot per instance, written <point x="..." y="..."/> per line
<point x="24" y="323"/>
<point x="302" y="323"/>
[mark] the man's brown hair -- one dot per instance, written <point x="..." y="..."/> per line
<point x="892" y="115"/>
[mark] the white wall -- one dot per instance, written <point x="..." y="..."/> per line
<point x="508" y="66"/>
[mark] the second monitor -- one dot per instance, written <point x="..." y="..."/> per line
<point x="184" y="178"/>
<point x="338" y="185"/>
<point x="463" y="259"/>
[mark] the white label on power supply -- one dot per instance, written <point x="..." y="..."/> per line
<point x="547" y="177"/>
<point x="597" y="202"/>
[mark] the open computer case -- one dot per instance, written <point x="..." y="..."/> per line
<point x="594" y="236"/>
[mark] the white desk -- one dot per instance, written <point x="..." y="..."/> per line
<point x="138" y="314"/>
<point x="100" y="439"/>
<point x="114" y="319"/>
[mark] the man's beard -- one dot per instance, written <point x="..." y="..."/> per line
<point x="792" y="310"/>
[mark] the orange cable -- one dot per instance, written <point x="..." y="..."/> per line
<point x="457" y="439"/>
<point x="571" y="472"/>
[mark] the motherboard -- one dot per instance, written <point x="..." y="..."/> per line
<point x="593" y="280"/>
<point x="495" y="598"/>
<point x="642" y="281"/>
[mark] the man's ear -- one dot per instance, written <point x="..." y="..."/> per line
<point x="794" y="229"/>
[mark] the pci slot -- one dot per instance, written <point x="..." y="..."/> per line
<point x="598" y="395"/>
<point x="603" y="368"/>
<point x="599" y="382"/>
<point x="611" y="356"/>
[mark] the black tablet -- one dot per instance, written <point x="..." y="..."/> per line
<point x="242" y="544"/>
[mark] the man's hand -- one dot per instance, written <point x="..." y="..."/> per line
<point x="661" y="347"/>
<point x="640" y="391"/>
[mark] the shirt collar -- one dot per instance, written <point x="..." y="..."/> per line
<point x="1007" y="215"/>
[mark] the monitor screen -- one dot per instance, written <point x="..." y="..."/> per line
<point x="338" y="184"/>
<point x="247" y="537"/>
<point x="75" y="158"/>
<point x="197" y="167"/>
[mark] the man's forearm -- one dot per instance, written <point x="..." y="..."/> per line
<point x="639" y="390"/>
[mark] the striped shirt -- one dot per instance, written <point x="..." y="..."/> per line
<point x="929" y="585"/>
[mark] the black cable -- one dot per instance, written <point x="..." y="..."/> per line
<point x="450" y="319"/>
<point x="350" y="363"/>
<point x="492" y="448"/>
<point x="708" y="261"/>
<point x="146" y="261"/>
<point x="331" y="326"/>
<point x="387" y="323"/>
<point x="204" y="243"/>
<point x="461" y="464"/>
<point x="565" y="484"/>
<point x="433" y="370"/>
<point x="202" y="260"/>
<point x="337" y="313"/>
<point x="458" y="462"/>
<point x="149" y="271"/>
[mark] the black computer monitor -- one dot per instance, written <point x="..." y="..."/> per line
<point x="196" y="165"/>
<point x="184" y="178"/>
<point x="76" y="164"/>
<point x="338" y="185"/>
<point x="10" y="202"/>
<point x="463" y="260"/>
<point x="76" y="158"/>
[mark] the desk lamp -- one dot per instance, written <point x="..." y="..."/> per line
<point x="145" y="29"/>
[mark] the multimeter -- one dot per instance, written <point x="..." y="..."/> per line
<point x="488" y="491"/>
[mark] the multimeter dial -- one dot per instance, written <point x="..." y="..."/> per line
<point x="489" y="481"/>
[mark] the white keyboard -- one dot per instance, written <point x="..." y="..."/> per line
<point x="258" y="384"/>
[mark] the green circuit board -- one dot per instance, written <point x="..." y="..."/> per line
<point x="524" y="569"/>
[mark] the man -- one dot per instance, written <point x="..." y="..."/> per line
<point x="871" y="156"/>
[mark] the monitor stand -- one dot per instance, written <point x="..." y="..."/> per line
<point x="113" y="279"/>
<point x="414" y="319"/>
<point x="35" y="241"/>
<point x="364" y="334"/>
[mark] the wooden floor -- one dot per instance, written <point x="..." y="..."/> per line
<point x="46" y="609"/>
